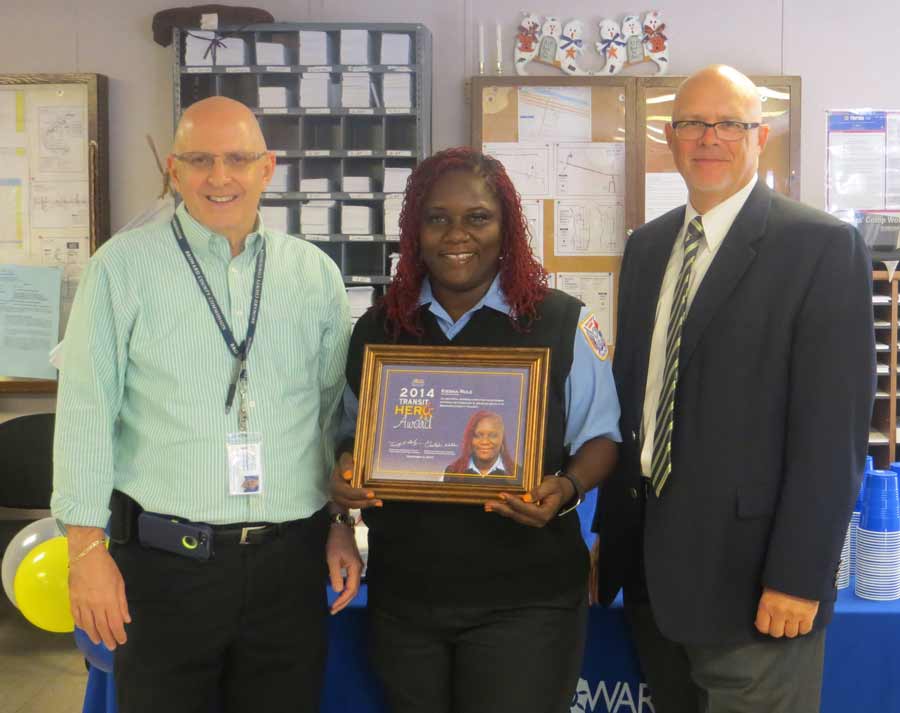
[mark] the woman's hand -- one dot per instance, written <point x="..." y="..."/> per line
<point x="539" y="506"/>
<point x="343" y="493"/>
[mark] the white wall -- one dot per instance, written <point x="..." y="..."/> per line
<point x="846" y="54"/>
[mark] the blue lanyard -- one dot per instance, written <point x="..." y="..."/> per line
<point x="242" y="350"/>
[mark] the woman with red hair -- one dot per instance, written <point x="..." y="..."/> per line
<point x="479" y="609"/>
<point x="483" y="450"/>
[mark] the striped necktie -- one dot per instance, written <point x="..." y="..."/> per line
<point x="661" y="465"/>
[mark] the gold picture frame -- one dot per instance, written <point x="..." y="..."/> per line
<point x="450" y="424"/>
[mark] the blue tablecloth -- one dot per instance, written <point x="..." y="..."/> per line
<point x="862" y="658"/>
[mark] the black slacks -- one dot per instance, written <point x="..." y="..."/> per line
<point x="243" y="632"/>
<point x="448" y="659"/>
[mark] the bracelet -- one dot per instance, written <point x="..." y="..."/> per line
<point x="87" y="550"/>
<point x="579" y="493"/>
<point x="340" y="518"/>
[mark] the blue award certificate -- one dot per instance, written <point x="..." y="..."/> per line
<point x="446" y="423"/>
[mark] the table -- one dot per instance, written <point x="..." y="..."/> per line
<point x="862" y="658"/>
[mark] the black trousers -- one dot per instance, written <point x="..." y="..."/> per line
<point x="243" y="632"/>
<point x="447" y="659"/>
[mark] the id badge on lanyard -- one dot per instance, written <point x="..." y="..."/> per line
<point x="243" y="448"/>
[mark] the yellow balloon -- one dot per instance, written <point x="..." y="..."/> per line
<point x="42" y="586"/>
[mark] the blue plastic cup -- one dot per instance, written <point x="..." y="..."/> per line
<point x="881" y="503"/>
<point x="870" y="466"/>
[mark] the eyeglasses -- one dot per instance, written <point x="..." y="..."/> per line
<point x="236" y="160"/>
<point x="725" y="130"/>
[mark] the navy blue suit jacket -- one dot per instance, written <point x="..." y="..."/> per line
<point x="774" y="401"/>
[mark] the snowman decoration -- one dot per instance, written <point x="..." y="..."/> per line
<point x="611" y="47"/>
<point x="656" y="44"/>
<point x="550" y="42"/>
<point x="571" y="46"/>
<point x="527" y="39"/>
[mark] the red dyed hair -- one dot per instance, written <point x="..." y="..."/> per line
<point x="522" y="279"/>
<point x="461" y="464"/>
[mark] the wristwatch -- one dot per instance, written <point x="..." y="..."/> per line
<point x="576" y="499"/>
<point x="342" y="518"/>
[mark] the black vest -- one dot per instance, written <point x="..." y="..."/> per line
<point x="458" y="553"/>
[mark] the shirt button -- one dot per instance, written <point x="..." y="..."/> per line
<point x="234" y="271"/>
<point x="633" y="493"/>
<point x="239" y="312"/>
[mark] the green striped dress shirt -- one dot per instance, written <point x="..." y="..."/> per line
<point x="142" y="389"/>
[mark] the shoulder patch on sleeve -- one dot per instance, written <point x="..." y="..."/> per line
<point x="590" y="329"/>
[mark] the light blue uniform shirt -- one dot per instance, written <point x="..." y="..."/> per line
<point x="142" y="389"/>
<point x="592" y="406"/>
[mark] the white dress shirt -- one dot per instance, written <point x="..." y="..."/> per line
<point x="716" y="224"/>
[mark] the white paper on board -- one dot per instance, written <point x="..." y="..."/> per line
<point x="584" y="227"/>
<point x="529" y="165"/>
<point x="595" y="289"/>
<point x="662" y="193"/>
<point x="554" y="113"/>
<point x="593" y="169"/>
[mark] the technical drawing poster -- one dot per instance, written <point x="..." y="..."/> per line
<point x="595" y="289"/>
<point x="62" y="139"/>
<point x="554" y="113"/>
<point x="584" y="227"/>
<point x="595" y="169"/>
<point x="529" y="166"/>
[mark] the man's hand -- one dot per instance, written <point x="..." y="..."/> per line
<point x="539" y="506"/>
<point x="341" y="554"/>
<point x="96" y="589"/>
<point x="345" y="495"/>
<point x="781" y="614"/>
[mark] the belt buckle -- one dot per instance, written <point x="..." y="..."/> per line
<point x="247" y="530"/>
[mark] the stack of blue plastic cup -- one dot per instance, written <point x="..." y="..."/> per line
<point x="878" y="539"/>
<point x="854" y="522"/>
<point x="843" y="579"/>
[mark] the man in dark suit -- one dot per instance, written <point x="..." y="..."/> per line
<point x="745" y="367"/>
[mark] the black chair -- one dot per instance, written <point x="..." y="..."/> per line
<point x="26" y="461"/>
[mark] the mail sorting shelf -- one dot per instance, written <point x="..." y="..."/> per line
<point x="329" y="142"/>
<point x="883" y="433"/>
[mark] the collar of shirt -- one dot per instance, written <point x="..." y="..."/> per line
<point x="498" y="465"/>
<point x="493" y="298"/>
<point x="208" y="244"/>
<point x="717" y="221"/>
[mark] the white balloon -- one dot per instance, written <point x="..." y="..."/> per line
<point x="26" y="540"/>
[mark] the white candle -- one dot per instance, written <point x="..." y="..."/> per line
<point x="499" y="51"/>
<point x="480" y="48"/>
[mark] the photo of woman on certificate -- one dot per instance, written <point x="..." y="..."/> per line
<point x="467" y="602"/>
<point x="483" y="450"/>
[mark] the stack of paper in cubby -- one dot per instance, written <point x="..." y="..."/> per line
<point x="314" y="47"/>
<point x="315" y="89"/>
<point x="395" y="48"/>
<point x="317" y="217"/>
<point x="315" y="185"/>
<point x="282" y="178"/>
<point x="274" y="217"/>
<point x="231" y="51"/>
<point x="397" y="90"/>
<point x="273" y="96"/>
<point x="360" y="299"/>
<point x="354" y="46"/>
<point x="268" y="53"/>
<point x="356" y="184"/>
<point x="198" y="49"/>
<point x="355" y="89"/>
<point x="395" y="179"/>
<point x="392" y="206"/>
<point x="356" y="219"/>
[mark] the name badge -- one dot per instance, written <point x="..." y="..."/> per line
<point x="245" y="464"/>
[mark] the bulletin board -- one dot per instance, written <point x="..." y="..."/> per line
<point x="54" y="208"/>
<point x="571" y="144"/>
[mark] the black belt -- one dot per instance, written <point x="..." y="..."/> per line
<point x="250" y="533"/>
<point x="125" y="511"/>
